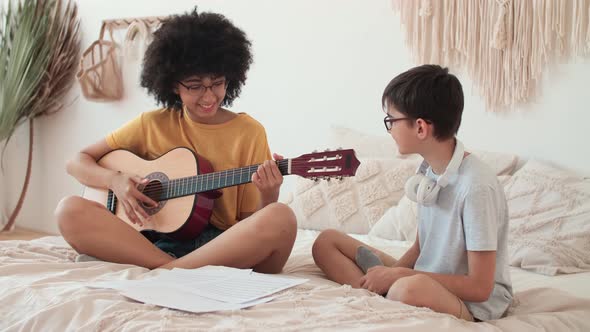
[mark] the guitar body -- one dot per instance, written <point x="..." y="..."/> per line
<point x="181" y="218"/>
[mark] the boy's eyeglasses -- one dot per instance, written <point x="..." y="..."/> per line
<point x="389" y="121"/>
<point x="197" y="90"/>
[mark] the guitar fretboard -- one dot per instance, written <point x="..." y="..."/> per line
<point x="201" y="183"/>
<point x="213" y="181"/>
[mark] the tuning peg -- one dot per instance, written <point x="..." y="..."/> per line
<point x="314" y="178"/>
<point x="315" y="151"/>
<point x="339" y="148"/>
<point x="327" y="178"/>
<point x="327" y="150"/>
<point x="340" y="178"/>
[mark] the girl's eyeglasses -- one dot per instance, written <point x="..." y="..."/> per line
<point x="197" y="90"/>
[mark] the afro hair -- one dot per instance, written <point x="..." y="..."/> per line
<point x="195" y="44"/>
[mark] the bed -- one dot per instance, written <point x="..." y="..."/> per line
<point x="43" y="289"/>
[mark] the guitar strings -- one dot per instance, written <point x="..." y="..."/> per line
<point x="295" y="163"/>
<point x="221" y="176"/>
<point x="214" y="178"/>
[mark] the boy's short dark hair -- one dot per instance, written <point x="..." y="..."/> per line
<point x="195" y="44"/>
<point x="428" y="92"/>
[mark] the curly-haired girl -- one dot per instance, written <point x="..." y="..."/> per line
<point x="195" y="66"/>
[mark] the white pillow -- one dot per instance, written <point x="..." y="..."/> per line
<point x="354" y="204"/>
<point x="549" y="219"/>
<point x="398" y="223"/>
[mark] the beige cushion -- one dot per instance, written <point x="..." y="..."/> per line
<point x="354" y="204"/>
<point x="549" y="219"/>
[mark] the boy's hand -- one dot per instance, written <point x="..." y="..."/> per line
<point x="268" y="180"/>
<point x="380" y="278"/>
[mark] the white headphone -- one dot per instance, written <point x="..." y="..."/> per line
<point x="424" y="190"/>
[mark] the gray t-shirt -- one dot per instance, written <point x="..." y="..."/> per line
<point x="470" y="214"/>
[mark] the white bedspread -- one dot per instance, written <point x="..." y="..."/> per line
<point x="41" y="289"/>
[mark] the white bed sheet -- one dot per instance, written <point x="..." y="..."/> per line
<point x="41" y="289"/>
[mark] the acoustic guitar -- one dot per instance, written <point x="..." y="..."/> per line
<point x="185" y="186"/>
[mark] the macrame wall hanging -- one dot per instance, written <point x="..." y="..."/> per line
<point x="503" y="45"/>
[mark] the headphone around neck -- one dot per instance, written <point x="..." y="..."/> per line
<point x="424" y="190"/>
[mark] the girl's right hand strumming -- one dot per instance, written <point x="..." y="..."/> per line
<point x="125" y="187"/>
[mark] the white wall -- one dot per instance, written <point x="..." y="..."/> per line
<point x="317" y="63"/>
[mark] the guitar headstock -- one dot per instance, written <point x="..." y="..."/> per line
<point x="326" y="164"/>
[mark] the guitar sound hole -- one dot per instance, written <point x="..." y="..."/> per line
<point x="153" y="190"/>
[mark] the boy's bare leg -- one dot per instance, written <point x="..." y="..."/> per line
<point x="422" y="291"/>
<point x="262" y="241"/>
<point x="334" y="253"/>
<point x="91" y="229"/>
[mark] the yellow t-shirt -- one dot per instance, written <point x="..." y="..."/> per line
<point x="236" y="143"/>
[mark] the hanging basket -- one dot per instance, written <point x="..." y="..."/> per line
<point x="99" y="72"/>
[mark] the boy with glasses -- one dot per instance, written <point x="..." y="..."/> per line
<point x="195" y="66"/>
<point x="458" y="263"/>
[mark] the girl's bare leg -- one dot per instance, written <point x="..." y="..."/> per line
<point x="91" y="229"/>
<point x="262" y="241"/>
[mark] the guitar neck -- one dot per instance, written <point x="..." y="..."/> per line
<point x="216" y="180"/>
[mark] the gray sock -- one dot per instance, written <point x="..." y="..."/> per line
<point x="85" y="258"/>
<point x="366" y="259"/>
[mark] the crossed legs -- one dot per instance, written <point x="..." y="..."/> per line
<point x="334" y="253"/>
<point x="263" y="241"/>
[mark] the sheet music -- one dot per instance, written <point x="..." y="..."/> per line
<point x="206" y="289"/>
<point x="176" y="298"/>
<point x="242" y="288"/>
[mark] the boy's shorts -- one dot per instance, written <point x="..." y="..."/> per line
<point x="177" y="248"/>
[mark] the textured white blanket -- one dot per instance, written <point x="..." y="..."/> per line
<point x="42" y="289"/>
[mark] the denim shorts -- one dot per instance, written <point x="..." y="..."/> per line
<point x="177" y="249"/>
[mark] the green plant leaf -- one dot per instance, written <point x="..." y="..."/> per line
<point x="39" y="50"/>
